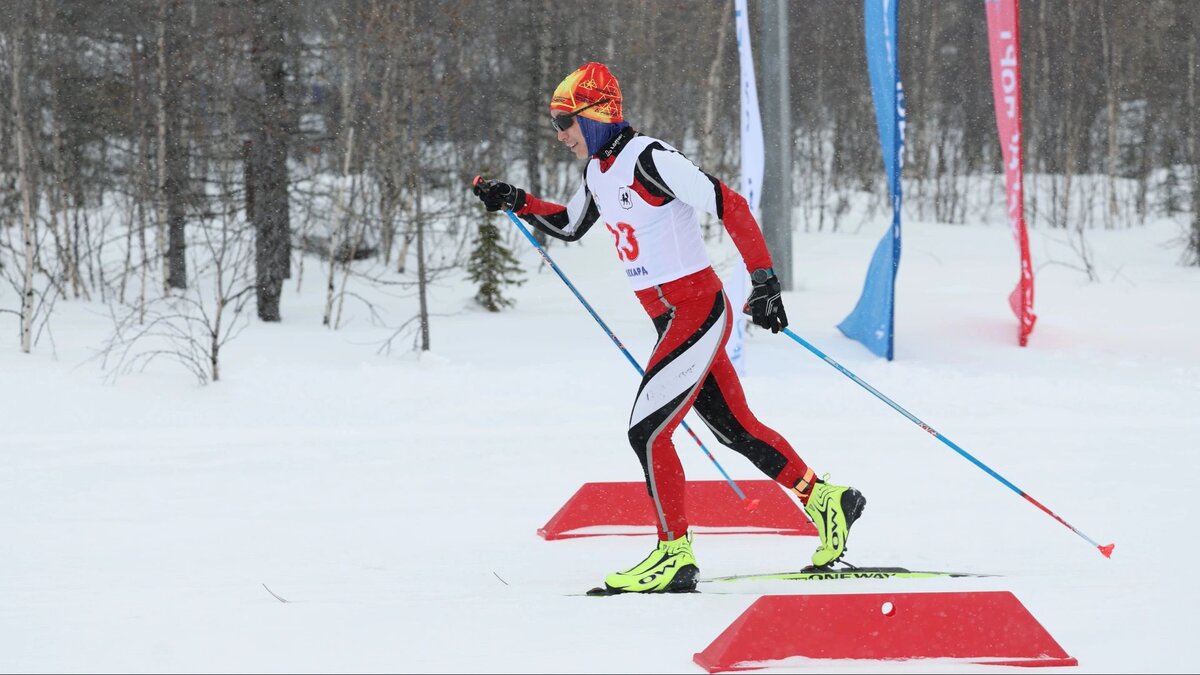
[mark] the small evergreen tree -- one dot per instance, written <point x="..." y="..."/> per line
<point x="493" y="267"/>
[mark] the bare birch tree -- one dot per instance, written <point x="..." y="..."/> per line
<point x="28" y="223"/>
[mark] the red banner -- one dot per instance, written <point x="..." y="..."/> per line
<point x="1005" y="46"/>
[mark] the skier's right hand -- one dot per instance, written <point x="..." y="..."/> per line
<point x="496" y="195"/>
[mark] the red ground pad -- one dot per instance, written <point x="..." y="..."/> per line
<point x="609" y="509"/>
<point x="986" y="627"/>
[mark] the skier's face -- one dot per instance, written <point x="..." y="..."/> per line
<point x="572" y="137"/>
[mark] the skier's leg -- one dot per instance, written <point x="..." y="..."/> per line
<point x="722" y="405"/>
<point x="832" y="508"/>
<point x="691" y="336"/>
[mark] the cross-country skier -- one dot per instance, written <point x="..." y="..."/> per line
<point x="648" y="193"/>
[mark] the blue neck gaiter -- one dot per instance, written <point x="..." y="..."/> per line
<point x="597" y="134"/>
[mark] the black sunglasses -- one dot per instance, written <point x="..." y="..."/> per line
<point x="564" y="122"/>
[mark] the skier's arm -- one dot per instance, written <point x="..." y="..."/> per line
<point x="569" y="222"/>
<point x="662" y="175"/>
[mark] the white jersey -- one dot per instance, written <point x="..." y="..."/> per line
<point x="648" y="197"/>
<point x="656" y="244"/>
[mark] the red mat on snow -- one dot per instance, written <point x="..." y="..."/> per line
<point x="984" y="627"/>
<point x="622" y="509"/>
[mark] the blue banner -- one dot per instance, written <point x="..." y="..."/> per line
<point x="873" y="320"/>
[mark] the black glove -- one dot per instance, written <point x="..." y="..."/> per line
<point x="765" y="306"/>
<point x="496" y="195"/>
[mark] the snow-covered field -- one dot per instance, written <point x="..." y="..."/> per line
<point x="393" y="499"/>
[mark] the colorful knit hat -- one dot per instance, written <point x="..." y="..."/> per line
<point x="590" y="83"/>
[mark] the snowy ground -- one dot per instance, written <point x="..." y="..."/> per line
<point x="393" y="500"/>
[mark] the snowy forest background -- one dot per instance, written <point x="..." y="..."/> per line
<point x="173" y="160"/>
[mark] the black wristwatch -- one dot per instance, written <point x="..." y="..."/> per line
<point x="761" y="274"/>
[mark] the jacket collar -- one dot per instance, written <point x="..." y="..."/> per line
<point x="613" y="147"/>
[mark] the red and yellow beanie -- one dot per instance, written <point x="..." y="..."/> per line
<point x="590" y="83"/>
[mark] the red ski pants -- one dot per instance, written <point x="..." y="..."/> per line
<point x="690" y="369"/>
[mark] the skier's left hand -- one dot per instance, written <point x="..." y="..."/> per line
<point x="765" y="305"/>
<point x="496" y="195"/>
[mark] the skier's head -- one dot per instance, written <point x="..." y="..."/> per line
<point x="590" y="100"/>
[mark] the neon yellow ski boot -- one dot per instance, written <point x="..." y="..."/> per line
<point x="670" y="568"/>
<point x="833" y="509"/>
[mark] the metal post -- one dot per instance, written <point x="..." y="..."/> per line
<point x="777" y="139"/>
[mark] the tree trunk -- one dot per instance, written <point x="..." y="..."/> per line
<point x="135" y="173"/>
<point x="28" y="226"/>
<point x="59" y="201"/>
<point x="536" y="125"/>
<point x="917" y="127"/>
<point x="143" y="195"/>
<point x="422" y="268"/>
<point x="388" y="190"/>
<point x="1111" y="75"/>
<point x="341" y="216"/>
<point x="1146" y="165"/>
<point x="1040" y="147"/>
<point x="172" y="153"/>
<point x="1073" y="127"/>
<point x="708" y="137"/>
<point x="1194" y="143"/>
<point x="269" y="153"/>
